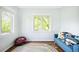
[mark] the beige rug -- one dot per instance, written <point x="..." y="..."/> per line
<point x="35" y="47"/>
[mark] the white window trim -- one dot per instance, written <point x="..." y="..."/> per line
<point x="12" y="25"/>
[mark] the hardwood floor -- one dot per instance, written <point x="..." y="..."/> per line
<point x="51" y="43"/>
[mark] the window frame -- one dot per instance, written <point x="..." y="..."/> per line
<point x="12" y="21"/>
<point x="42" y="29"/>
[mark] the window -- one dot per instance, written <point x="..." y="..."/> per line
<point x="41" y="22"/>
<point x="37" y="23"/>
<point x="6" y="22"/>
<point x="45" y="22"/>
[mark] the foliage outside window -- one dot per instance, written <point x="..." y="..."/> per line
<point x="6" y="22"/>
<point x="41" y="22"/>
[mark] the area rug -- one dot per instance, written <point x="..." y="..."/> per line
<point x="34" y="47"/>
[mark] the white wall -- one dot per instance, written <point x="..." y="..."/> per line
<point x="6" y="40"/>
<point x="64" y="19"/>
<point x="27" y="23"/>
<point x="70" y="20"/>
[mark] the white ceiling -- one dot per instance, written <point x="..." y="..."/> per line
<point x="49" y="7"/>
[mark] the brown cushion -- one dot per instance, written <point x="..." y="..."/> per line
<point x="20" y="41"/>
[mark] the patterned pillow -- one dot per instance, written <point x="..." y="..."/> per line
<point x="61" y="35"/>
<point x="70" y="42"/>
<point x="77" y="38"/>
<point x="64" y="35"/>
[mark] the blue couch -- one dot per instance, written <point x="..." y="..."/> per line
<point x="66" y="48"/>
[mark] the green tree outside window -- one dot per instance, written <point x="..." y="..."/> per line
<point x="45" y="23"/>
<point x="41" y="21"/>
<point x="37" y="23"/>
<point x="6" y="23"/>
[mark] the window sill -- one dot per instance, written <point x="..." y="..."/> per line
<point x="5" y="34"/>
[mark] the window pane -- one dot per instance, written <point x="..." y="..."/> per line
<point x="6" y="23"/>
<point x="41" y="22"/>
<point x="45" y="22"/>
<point x="37" y="23"/>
